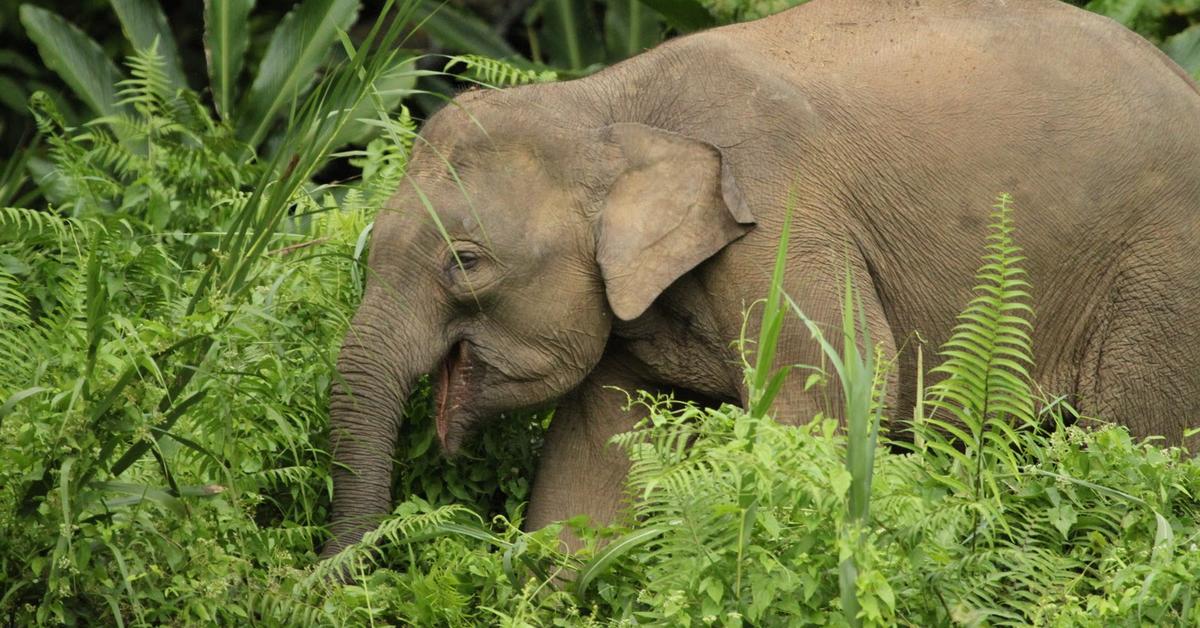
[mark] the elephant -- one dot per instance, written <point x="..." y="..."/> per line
<point x="554" y="244"/>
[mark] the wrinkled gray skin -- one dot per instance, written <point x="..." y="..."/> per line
<point x="612" y="230"/>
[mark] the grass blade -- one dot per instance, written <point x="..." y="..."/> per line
<point x="394" y="84"/>
<point x="611" y="552"/>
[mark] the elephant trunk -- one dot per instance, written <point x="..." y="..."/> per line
<point x="365" y="411"/>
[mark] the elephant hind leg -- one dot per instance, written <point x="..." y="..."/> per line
<point x="1141" y="366"/>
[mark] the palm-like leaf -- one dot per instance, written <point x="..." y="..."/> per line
<point x="225" y="40"/>
<point x="298" y="47"/>
<point x="74" y="56"/>
<point x="1184" y="49"/>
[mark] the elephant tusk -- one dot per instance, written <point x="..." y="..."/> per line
<point x="450" y="375"/>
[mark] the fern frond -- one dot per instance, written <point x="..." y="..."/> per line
<point x="23" y="225"/>
<point x="394" y="529"/>
<point x="149" y="90"/>
<point x="985" y="388"/>
<point x="109" y="156"/>
<point x="286" y="609"/>
<point x="14" y="322"/>
<point x="497" y="73"/>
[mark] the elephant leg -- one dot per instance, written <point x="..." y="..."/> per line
<point x="1141" y="368"/>
<point x="819" y="294"/>
<point x="579" y="472"/>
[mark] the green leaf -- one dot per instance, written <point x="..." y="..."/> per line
<point x="298" y="47"/>
<point x="136" y="494"/>
<point x="1184" y="49"/>
<point x="14" y="60"/>
<point x="684" y="15"/>
<point x="611" y="553"/>
<point x="461" y="31"/>
<point x="630" y="27"/>
<point x="75" y="57"/>
<point x="142" y="21"/>
<point x="847" y="579"/>
<point x="1123" y="11"/>
<point x="12" y="95"/>
<point x="138" y="449"/>
<point x="772" y="320"/>
<point x="571" y="37"/>
<point x="768" y="394"/>
<point x="1062" y="518"/>
<point x="496" y="73"/>
<point x="225" y="40"/>
<point x="18" y="397"/>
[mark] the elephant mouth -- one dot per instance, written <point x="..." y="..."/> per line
<point x="452" y="381"/>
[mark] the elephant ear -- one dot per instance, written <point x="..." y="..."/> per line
<point x="674" y="205"/>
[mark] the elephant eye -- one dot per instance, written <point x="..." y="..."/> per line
<point x="463" y="259"/>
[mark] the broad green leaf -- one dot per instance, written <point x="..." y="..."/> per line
<point x="12" y="95"/>
<point x="75" y="57"/>
<point x="225" y="40"/>
<point x="50" y="181"/>
<point x="298" y="47"/>
<point x="630" y="27"/>
<point x="137" y="493"/>
<point x="1123" y="11"/>
<point x="684" y="15"/>
<point x="16" y="61"/>
<point x="1184" y="49"/>
<point x="461" y="31"/>
<point x="142" y="21"/>
<point x="571" y="37"/>
<point x="1062" y="518"/>
<point x="847" y="579"/>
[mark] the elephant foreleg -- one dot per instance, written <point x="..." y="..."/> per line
<point x="579" y="472"/>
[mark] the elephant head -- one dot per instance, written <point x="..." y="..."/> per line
<point x="499" y="265"/>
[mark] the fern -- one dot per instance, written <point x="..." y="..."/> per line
<point x="985" y="389"/>
<point x="14" y="325"/>
<point x="26" y="225"/>
<point x="149" y="90"/>
<point x="396" y="530"/>
<point x="497" y="73"/>
<point x="383" y="161"/>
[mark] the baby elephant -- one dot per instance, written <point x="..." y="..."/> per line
<point x="553" y="241"/>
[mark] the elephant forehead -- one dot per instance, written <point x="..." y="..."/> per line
<point x="506" y="210"/>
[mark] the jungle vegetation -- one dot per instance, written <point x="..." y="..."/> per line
<point x="186" y="200"/>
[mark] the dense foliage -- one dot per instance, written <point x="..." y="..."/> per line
<point x="177" y="269"/>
